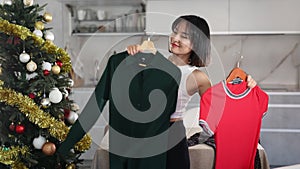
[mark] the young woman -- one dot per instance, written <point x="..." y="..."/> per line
<point x="190" y="48"/>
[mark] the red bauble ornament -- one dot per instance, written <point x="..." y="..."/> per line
<point x="9" y="41"/>
<point x="67" y="113"/>
<point x="17" y="40"/>
<point x="12" y="126"/>
<point x="31" y="95"/>
<point x="46" y="72"/>
<point x="59" y="63"/>
<point x="49" y="148"/>
<point x="20" y="128"/>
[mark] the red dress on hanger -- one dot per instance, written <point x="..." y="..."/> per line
<point x="233" y="114"/>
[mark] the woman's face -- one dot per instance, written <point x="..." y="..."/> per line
<point x="180" y="43"/>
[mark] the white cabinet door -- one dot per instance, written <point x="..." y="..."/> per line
<point x="228" y="16"/>
<point x="264" y="16"/>
<point x="161" y="14"/>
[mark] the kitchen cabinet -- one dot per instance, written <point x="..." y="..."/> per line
<point x="264" y="17"/>
<point x="161" y="14"/>
<point x="229" y="16"/>
<point x="94" y="27"/>
<point x="101" y="17"/>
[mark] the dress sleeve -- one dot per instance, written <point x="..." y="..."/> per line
<point x="89" y="114"/>
<point x="205" y="103"/>
<point x="263" y="99"/>
<point x="212" y="106"/>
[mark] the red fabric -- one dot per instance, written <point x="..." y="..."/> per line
<point x="236" y="123"/>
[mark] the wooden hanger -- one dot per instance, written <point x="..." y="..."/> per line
<point x="148" y="45"/>
<point x="237" y="74"/>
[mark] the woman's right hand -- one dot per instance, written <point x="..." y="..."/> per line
<point x="133" y="49"/>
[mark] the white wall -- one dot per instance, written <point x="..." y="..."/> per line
<point x="160" y="14"/>
<point x="265" y="32"/>
<point x="269" y="59"/>
<point x="54" y="7"/>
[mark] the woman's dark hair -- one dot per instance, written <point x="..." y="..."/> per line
<point x="199" y="34"/>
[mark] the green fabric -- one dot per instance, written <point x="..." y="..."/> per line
<point x="146" y="79"/>
<point x="159" y="73"/>
<point x="85" y="122"/>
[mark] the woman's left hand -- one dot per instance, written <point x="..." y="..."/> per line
<point x="251" y="83"/>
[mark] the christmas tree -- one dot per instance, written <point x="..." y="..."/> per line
<point x="35" y="109"/>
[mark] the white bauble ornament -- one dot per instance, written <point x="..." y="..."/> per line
<point x="38" y="33"/>
<point x="7" y="2"/>
<point x="55" y="95"/>
<point x="46" y="66"/>
<point x="31" y="75"/>
<point x="75" y="107"/>
<point x="24" y="57"/>
<point x="49" y="36"/>
<point x="72" y="117"/>
<point x="38" y="142"/>
<point x="45" y="102"/>
<point x="31" y="66"/>
<point x="28" y="2"/>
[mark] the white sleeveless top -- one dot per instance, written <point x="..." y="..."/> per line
<point x="183" y="97"/>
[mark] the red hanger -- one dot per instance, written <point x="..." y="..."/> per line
<point x="236" y="73"/>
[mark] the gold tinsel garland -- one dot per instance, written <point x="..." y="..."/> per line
<point x="26" y="105"/>
<point x="10" y="156"/>
<point x="47" y="46"/>
<point x="18" y="165"/>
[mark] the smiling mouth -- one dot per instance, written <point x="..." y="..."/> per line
<point x="174" y="45"/>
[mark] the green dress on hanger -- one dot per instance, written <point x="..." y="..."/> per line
<point x="142" y="94"/>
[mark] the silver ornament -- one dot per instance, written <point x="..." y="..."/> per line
<point x="65" y="92"/>
<point x="72" y="117"/>
<point x="45" y="102"/>
<point x="71" y="82"/>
